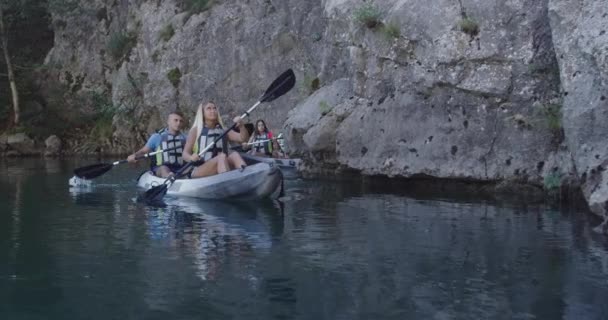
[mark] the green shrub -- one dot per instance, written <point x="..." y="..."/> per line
<point x="391" y="30"/>
<point x="198" y="6"/>
<point x="309" y="84"/>
<point x="120" y="45"/>
<point x="174" y="76"/>
<point x="368" y="15"/>
<point x="469" y="26"/>
<point x="102" y="130"/>
<point x="553" y="116"/>
<point x="552" y="180"/>
<point x="166" y="33"/>
<point x="324" y="107"/>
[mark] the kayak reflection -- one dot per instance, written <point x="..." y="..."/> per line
<point x="212" y="232"/>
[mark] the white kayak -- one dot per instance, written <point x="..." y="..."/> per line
<point x="289" y="167"/>
<point x="256" y="181"/>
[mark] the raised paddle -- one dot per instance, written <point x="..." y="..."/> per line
<point x="279" y="87"/>
<point x="96" y="170"/>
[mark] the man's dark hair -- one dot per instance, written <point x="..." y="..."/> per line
<point x="177" y="113"/>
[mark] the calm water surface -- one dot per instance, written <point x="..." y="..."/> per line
<point x="327" y="251"/>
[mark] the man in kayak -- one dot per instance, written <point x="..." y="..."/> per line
<point x="262" y="142"/>
<point x="207" y="127"/>
<point x="166" y="163"/>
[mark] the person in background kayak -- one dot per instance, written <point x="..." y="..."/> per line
<point x="166" y="163"/>
<point x="207" y="127"/>
<point x="262" y="142"/>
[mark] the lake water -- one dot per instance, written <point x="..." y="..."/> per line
<point x="328" y="250"/>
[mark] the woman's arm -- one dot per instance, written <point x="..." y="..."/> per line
<point x="187" y="153"/>
<point x="246" y="145"/>
<point x="236" y="136"/>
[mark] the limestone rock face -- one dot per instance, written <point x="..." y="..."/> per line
<point x="53" y="146"/>
<point x="470" y="89"/>
<point x="21" y="144"/>
<point x="580" y="37"/>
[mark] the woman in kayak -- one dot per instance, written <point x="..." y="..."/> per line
<point x="262" y="142"/>
<point x="207" y="127"/>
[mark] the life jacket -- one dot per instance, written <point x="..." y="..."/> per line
<point x="172" y="157"/>
<point x="264" y="147"/>
<point x="206" y="138"/>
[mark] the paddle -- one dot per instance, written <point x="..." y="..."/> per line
<point x="280" y="136"/>
<point x="277" y="88"/>
<point x="96" y="170"/>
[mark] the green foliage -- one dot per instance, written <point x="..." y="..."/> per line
<point x="174" y="76"/>
<point x="120" y="45"/>
<point x="30" y="131"/>
<point x="552" y="181"/>
<point x="324" y="107"/>
<point x="103" y="106"/>
<point x="62" y="7"/>
<point x="309" y="84"/>
<point x="314" y="84"/>
<point x="391" y="30"/>
<point x="29" y="37"/>
<point x="367" y="15"/>
<point x="27" y="25"/>
<point x="553" y="116"/>
<point x="41" y="125"/>
<point x="105" y="111"/>
<point x="469" y="26"/>
<point x="102" y="130"/>
<point x="17" y="11"/>
<point x="198" y="6"/>
<point x="166" y="33"/>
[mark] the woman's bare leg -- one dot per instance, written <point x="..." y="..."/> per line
<point x="222" y="163"/>
<point x="162" y="171"/>
<point x="214" y="166"/>
<point x="236" y="161"/>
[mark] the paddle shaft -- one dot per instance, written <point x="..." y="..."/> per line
<point x="147" y="155"/>
<point x="261" y="141"/>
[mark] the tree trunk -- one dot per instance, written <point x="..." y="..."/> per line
<point x="9" y="68"/>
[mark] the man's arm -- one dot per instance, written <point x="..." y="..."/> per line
<point x="152" y="144"/>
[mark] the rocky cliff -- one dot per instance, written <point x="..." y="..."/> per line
<point x="463" y="89"/>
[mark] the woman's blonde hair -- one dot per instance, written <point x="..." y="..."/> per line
<point x="199" y="120"/>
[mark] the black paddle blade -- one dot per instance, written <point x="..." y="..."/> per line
<point x="280" y="86"/>
<point x="92" y="171"/>
<point x="154" y="195"/>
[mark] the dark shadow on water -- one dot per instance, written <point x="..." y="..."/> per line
<point x="443" y="190"/>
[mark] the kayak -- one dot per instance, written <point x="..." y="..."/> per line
<point x="256" y="181"/>
<point x="289" y="167"/>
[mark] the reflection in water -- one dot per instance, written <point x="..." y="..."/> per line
<point x="16" y="176"/>
<point x="212" y="231"/>
<point x="439" y="259"/>
<point x="53" y="165"/>
<point x="220" y="239"/>
<point x="327" y="251"/>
